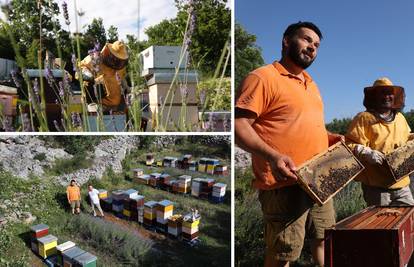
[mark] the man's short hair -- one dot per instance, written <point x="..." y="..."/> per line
<point x="72" y="181"/>
<point x="292" y="28"/>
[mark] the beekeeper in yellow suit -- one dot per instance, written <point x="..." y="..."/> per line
<point x="378" y="131"/>
<point x="107" y="70"/>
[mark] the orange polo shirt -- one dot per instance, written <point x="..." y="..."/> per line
<point x="289" y="118"/>
<point x="73" y="193"/>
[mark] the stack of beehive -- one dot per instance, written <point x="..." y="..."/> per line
<point x="106" y="203"/>
<point x="164" y="211"/>
<point x="175" y="224"/>
<point x="102" y="194"/>
<point x="118" y="201"/>
<point x="202" y="164"/>
<point x="135" y="204"/>
<point x="192" y="165"/>
<point x="164" y="181"/>
<point x="219" y="191"/>
<point x="154" y="179"/>
<point x="170" y="162"/>
<point x="190" y="227"/>
<point x="186" y="160"/>
<point x="184" y="182"/>
<point x="61" y="249"/>
<point x="128" y="196"/>
<point x="42" y="242"/>
<point x="137" y="172"/>
<point x="143" y="179"/>
<point x="150" y="213"/>
<point x="149" y="159"/>
<point x="211" y="165"/>
<point x="221" y="170"/>
<point x="196" y="187"/>
<point x="206" y="188"/>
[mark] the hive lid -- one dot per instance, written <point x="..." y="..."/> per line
<point x="165" y="203"/>
<point x="47" y="239"/>
<point x="65" y="246"/>
<point x="39" y="227"/>
<point x="73" y="252"/>
<point x="151" y="203"/>
<point x="221" y="185"/>
<point x="85" y="258"/>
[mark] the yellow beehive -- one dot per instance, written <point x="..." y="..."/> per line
<point x="126" y="213"/>
<point x="47" y="246"/>
<point x="103" y="194"/>
<point x="149" y="215"/>
<point x="210" y="169"/>
<point x="189" y="224"/>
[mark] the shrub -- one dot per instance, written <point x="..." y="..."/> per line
<point x="40" y="157"/>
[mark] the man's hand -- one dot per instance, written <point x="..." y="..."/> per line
<point x="335" y="138"/>
<point x="283" y="168"/>
<point x="369" y="155"/>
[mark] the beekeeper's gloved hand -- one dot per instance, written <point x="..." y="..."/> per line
<point x="369" y="155"/>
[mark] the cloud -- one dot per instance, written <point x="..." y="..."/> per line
<point x="122" y="14"/>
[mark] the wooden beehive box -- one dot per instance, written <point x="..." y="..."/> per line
<point x="324" y="175"/>
<point x="375" y="236"/>
<point x="400" y="162"/>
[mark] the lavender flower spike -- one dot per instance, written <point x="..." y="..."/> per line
<point x="65" y="12"/>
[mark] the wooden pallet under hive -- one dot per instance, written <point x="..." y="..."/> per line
<point x="324" y="175"/>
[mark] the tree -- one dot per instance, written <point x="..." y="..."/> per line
<point x="24" y="19"/>
<point x="248" y="56"/>
<point x="112" y="34"/>
<point x="212" y="28"/>
<point x="95" y="33"/>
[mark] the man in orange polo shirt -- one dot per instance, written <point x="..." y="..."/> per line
<point x="279" y="120"/>
<point x="74" y="197"/>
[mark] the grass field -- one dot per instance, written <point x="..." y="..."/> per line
<point x="118" y="242"/>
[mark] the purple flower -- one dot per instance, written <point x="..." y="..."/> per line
<point x="36" y="90"/>
<point x="49" y="76"/>
<point x="118" y="78"/>
<point x="65" y="12"/>
<point x="76" y="119"/>
<point x="61" y="90"/>
<point x="74" y="62"/>
<point x="26" y="125"/>
<point x="8" y="124"/>
<point x="15" y="79"/>
<point x="202" y="97"/>
<point x="57" y="127"/>
<point x="184" y="91"/>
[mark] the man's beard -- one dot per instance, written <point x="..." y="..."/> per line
<point x="295" y="55"/>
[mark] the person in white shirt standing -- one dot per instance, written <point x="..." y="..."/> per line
<point x="94" y="198"/>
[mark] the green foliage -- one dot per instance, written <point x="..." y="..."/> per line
<point x="40" y="157"/>
<point x="409" y="116"/>
<point x="339" y="126"/>
<point x="216" y="87"/>
<point x="64" y="166"/>
<point x="6" y="49"/>
<point x="213" y="23"/>
<point x="24" y="19"/>
<point x="95" y="33"/>
<point x="74" y="144"/>
<point x="112" y="34"/>
<point x="248" y="56"/>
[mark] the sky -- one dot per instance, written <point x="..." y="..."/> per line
<point x="123" y="14"/>
<point x="363" y="41"/>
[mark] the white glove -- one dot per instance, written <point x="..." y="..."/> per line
<point x="367" y="154"/>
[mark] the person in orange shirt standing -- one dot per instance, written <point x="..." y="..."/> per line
<point x="279" y="120"/>
<point x="74" y="196"/>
